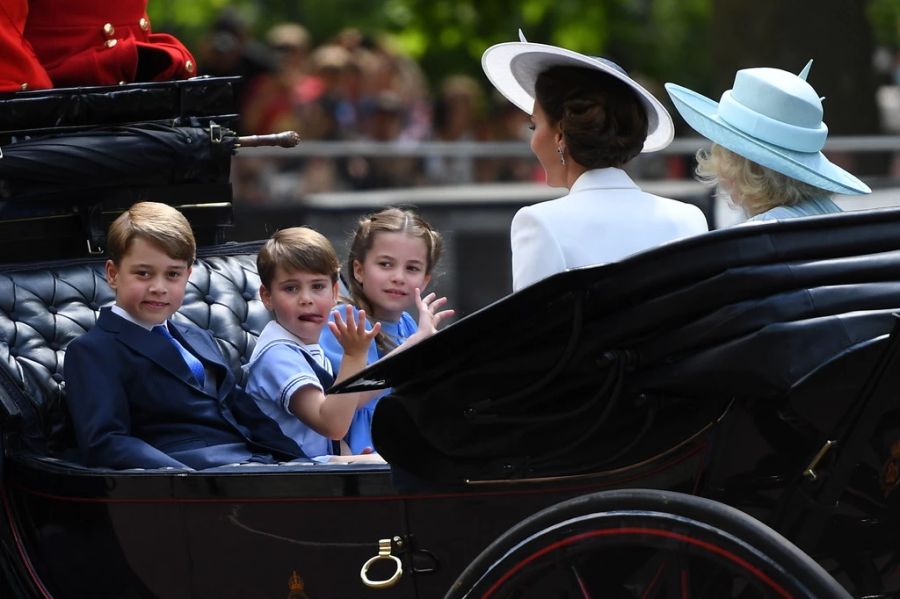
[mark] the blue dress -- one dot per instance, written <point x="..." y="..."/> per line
<point x="360" y="435"/>
<point x="811" y="207"/>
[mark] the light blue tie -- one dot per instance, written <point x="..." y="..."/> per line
<point x="193" y="363"/>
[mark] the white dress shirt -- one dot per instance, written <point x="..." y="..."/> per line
<point x="604" y="218"/>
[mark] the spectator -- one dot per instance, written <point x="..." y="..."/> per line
<point x="269" y="104"/>
<point x="457" y="116"/>
<point x="384" y="124"/>
<point x="229" y="50"/>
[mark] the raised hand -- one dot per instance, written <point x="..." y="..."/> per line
<point x="351" y="333"/>
<point x="430" y="313"/>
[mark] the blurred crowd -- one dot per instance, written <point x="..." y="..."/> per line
<point x="355" y="88"/>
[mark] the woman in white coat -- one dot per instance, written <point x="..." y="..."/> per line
<point x="589" y="119"/>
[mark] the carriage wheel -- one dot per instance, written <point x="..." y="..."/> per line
<point x="642" y="544"/>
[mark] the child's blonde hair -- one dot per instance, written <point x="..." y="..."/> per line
<point x="297" y="248"/>
<point x="389" y="220"/>
<point x="157" y="223"/>
<point x="754" y="187"/>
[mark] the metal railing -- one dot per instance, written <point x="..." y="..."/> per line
<point x="515" y="149"/>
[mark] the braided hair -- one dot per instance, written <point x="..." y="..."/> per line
<point x="389" y="220"/>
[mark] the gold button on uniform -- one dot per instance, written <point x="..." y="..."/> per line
<point x="109" y="30"/>
<point x="189" y="66"/>
<point x="24" y="86"/>
<point x="144" y="24"/>
<point x="111" y="43"/>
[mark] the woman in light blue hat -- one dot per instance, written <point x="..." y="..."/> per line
<point x="589" y="120"/>
<point x="767" y="133"/>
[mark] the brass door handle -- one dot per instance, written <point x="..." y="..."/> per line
<point x="384" y="553"/>
<point x="810" y="471"/>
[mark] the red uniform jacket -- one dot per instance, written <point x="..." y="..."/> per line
<point x="20" y="68"/>
<point x="103" y="42"/>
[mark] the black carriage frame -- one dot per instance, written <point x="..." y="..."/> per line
<point x="427" y="511"/>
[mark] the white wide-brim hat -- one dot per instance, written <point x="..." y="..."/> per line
<point x="773" y="118"/>
<point x="513" y="68"/>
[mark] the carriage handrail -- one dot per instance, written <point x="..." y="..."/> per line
<point x="516" y="149"/>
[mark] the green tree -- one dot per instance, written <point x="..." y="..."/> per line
<point x="835" y="33"/>
<point x="661" y="39"/>
<point x="697" y="43"/>
<point x="884" y="15"/>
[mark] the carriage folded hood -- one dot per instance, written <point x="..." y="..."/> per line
<point x="568" y="366"/>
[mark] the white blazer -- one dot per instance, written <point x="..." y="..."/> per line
<point x="604" y="218"/>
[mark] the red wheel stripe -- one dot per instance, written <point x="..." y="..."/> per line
<point x="20" y="547"/>
<point x="640" y="531"/>
<point x="652" y="586"/>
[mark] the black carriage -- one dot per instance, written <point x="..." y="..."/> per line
<point x="714" y="418"/>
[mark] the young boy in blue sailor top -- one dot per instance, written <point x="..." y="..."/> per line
<point x="288" y="372"/>
<point x="146" y="392"/>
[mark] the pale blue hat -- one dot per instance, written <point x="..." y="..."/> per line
<point x="771" y="117"/>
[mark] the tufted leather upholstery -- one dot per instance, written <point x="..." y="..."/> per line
<point x="43" y="307"/>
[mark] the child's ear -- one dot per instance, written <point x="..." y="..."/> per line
<point x="425" y="282"/>
<point x="266" y="297"/>
<point x="335" y="291"/>
<point x="112" y="274"/>
<point x="358" y="271"/>
<point x="187" y="275"/>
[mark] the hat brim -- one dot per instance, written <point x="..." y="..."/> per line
<point x="513" y="68"/>
<point x="812" y="168"/>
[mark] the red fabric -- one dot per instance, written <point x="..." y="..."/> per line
<point x="68" y="37"/>
<point x="19" y="66"/>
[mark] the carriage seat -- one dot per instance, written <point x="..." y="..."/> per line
<point x="44" y="306"/>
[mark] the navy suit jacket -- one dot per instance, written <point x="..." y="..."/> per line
<point x="134" y="402"/>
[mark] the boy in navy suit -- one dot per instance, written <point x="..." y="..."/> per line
<point x="146" y="392"/>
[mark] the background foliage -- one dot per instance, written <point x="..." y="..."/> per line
<point x="449" y="36"/>
<point x="697" y="43"/>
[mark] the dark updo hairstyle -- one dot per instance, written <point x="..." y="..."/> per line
<point x="602" y="119"/>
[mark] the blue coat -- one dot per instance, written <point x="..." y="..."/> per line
<point x="134" y="405"/>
